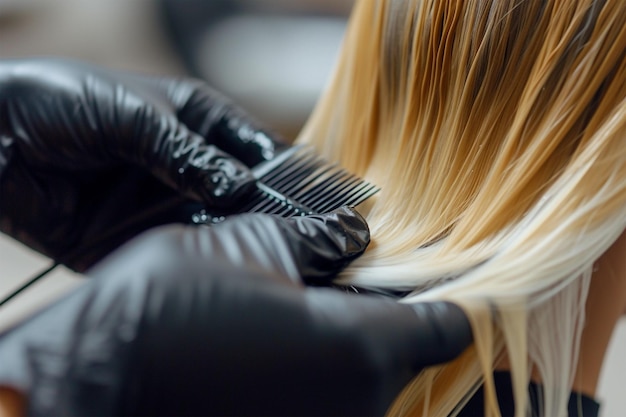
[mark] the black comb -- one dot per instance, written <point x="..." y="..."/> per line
<point x="297" y="182"/>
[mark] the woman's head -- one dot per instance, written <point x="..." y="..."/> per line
<point x="497" y="131"/>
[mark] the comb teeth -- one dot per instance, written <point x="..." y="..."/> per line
<point x="296" y="183"/>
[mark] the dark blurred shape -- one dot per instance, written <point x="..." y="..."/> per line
<point x="186" y="20"/>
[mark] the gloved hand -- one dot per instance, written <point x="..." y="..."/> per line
<point x="90" y="157"/>
<point x="210" y="321"/>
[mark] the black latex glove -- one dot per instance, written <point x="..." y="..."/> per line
<point x="209" y="321"/>
<point x="89" y="157"/>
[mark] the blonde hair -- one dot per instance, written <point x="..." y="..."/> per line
<point x="496" y="130"/>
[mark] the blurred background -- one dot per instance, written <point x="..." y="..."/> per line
<point x="271" y="56"/>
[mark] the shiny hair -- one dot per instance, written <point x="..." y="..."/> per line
<point x="497" y="131"/>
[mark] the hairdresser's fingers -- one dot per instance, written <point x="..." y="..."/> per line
<point x="312" y="249"/>
<point x="218" y="120"/>
<point x="303" y="248"/>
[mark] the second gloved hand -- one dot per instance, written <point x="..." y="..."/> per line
<point x="89" y="157"/>
<point x="213" y="321"/>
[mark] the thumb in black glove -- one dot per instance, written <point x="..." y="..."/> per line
<point x="87" y="152"/>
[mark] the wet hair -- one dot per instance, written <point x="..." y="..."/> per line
<point x="497" y="131"/>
